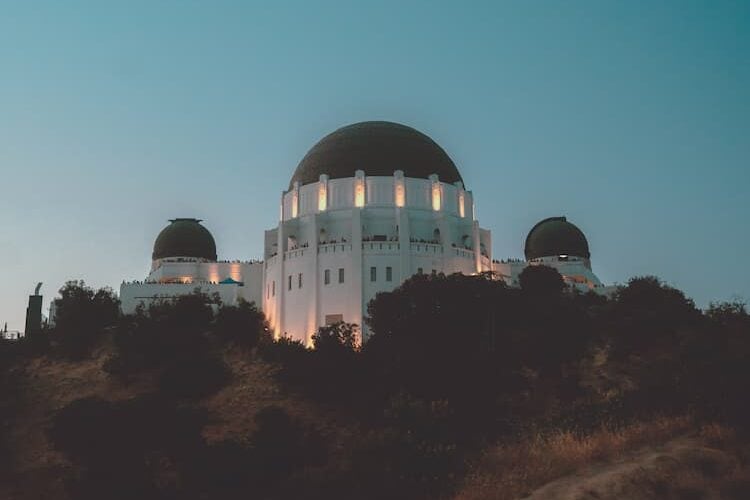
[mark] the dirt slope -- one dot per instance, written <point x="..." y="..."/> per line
<point x="683" y="468"/>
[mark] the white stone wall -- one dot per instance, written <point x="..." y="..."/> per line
<point x="405" y="224"/>
<point x="173" y="277"/>
<point x="135" y="293"/>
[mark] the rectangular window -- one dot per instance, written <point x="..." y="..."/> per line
<point x="341" y="274"/>
<point x="268" y="290"/>
<point x="327" y="277"/>
<point x="289" y="285"/>
<point x="419" y="270"/>
<point x="373" y="274"/>
<point x="299" y="280"/>
<point x="389" y="273"/>
<point x="273" y="288"/>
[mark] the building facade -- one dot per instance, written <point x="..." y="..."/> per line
<point x="370" y="205"/>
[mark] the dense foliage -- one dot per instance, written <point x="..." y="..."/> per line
<point x="451" y="364"/>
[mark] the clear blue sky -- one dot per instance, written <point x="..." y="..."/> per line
<point x="631" y="118"/>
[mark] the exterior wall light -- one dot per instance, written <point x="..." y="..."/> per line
<point x="323" y="193"/>
<point x="295" y="200"/>
<point x="436" y="193"/>
<point x="399" y="193"/>
<point x="359" y="189"/>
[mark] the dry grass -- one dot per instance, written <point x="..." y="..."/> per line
<point x="514" y="470"/>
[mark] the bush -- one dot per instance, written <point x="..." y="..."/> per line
<point x="541" y="281"/>
<point x="174" y="331"/>
<point x="336" y="338"/>
<point x="270" y="465"/>
<point x="114" y="442"/>
<point x="81" y="314"/>
<point x="191" y="378"/>
<point x="243" y="325"/>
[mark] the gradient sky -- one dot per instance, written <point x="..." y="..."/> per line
<point x="631" y="118"/>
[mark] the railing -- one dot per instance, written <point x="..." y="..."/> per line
<point x="381" y="246"/>
<point x="334" y="247"/>
<point x="462" y="252"/>
<point x="426" y="248"/>
<point x="293" y="254"/>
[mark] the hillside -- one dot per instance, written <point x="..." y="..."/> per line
<point x="569" y="396"/>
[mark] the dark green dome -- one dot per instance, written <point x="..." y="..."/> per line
<point x="379" y="149"/>
<point x="556" y="236"/>
<point x="185" y="238"/>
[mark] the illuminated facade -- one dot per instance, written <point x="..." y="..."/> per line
<point x="184" y="260"/>
<point x="369" y="206"/>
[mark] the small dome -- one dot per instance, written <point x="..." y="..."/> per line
<point x="556" y="236"/>
<point x="185" y="238"/>
<point x="379" y="149"/>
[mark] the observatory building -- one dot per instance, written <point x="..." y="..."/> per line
<point x="370" y="205"/>
<point x="184" y="259"/>
<point x="557" y="243"/>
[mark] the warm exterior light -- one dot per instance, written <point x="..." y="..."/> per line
<point x="436" y="196"/>
<point x="359" y="193"/>
<point x="235" y="272"/>
<point x="213" y="274"/>
<point x="400" y="194"/>
<point x="186" y="280"/>
<point x="322" y="197"/>
<point x="461" y="201"/>
<point x="295" y="203"/>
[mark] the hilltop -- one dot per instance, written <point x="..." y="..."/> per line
<point x="568" y="396"/>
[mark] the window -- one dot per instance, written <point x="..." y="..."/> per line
<point x="299" y="280"/>
<point x="268" y="290"/>
<point x="419" y="270"/>
<point x="341" y="274"/>
<point x="289" y="286"/>
<point x="273" y="288"/>
<point x="389" y="273"/>
<point x="373" y="274"/>
<point x="327" y="277"/>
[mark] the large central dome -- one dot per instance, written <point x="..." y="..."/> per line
<point x="378" y="148"/>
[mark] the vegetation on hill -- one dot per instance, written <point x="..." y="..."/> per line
<point x="466" y="388"/>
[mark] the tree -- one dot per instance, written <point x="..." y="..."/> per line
<point x="541" y="281"/>
<point x="243" y="324"/>
<point x="649" y="314"/>
<point x="81" y="315"/>
<point x="337" y="337"/>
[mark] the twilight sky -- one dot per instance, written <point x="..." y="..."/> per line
<point x="631" y="118"/>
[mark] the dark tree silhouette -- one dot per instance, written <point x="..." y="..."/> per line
<point x="542" y="281"/>
<point x="336" y="337"/>
<point x="81" y="314"/>
<point x="244" y="324"/>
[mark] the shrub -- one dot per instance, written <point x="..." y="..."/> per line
<point x="541" y="281"/>
<point x="243" y="325"/>
<point x="193" y="377"/>
<point x="81" y="316"/>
